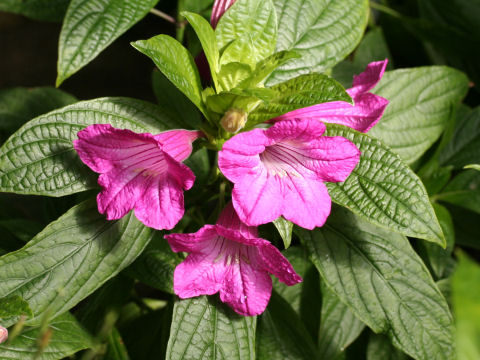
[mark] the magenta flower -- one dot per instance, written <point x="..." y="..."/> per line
<point x="368" y="108"/>
<point x="3" y="334"/>
<point x="219" y="8"/>
<point x="139" y="171"/>
<point x="282" y="170"/>
<point x="230" y="258"/>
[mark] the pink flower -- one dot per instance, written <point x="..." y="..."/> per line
<point x="3" y="334"/>
<point x="282" y="170"/>
<point x="368" y="108"/>
<point x="139" y="171"/>
<point x="230" y="258"/>
<point x="219" y="8"/>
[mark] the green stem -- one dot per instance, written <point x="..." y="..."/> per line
<point x="164" y="16"/>
<point x="386" y="10"/>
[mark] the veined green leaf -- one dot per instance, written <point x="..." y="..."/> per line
<point x="247" y="32"/>
<point x="381" y="348"/>
<point x="40" y="159"/>
<point x="385" y="191"/>
<point x="384" y="282"/>
<point x="12" y="307"/>
<point x="206" y="35"/>
<point x="284" y="228"/>
<point x="204" y="328"/>
<point x="464" y="147"/>
<point x="339" y="327"/>
<point x="281" y="334"/>
<point x="466" y="297"/>
<point x="90" y="26"/>
<point x="323" y="32"/>
<point x="67" y="338"/>
<point x="18" y="105"/>
<point x="116" y="348"/>
<point x="45" y="10"/>
<point x="176" y="63"/>
<point x="233" y="74"/>
<point x="303" y="91"/>
<point x="421" y="102"/>
<point x="71" y="258"/>
<point x="463" y="190"/>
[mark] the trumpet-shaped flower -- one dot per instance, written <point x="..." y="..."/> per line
<point x="3" y="334"/>
<point x="282" y="170"/>
<point x="219" y="8"/>
<point x="368" y="108"/>
<point x="143" y="172"/>
<point x="231" y="259"/>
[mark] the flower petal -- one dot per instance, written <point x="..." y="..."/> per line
<point x="299" y="130"/>
<point x="229" y="219"/>
<point x="178" y="143"/>
<point x="275" y="263"/>
<point x="194" y="242"/>
<point x="246" y="286"/>
<point x="368" y="79"/>
<point x="307" y="202"/>
<point x="219" y="8"/>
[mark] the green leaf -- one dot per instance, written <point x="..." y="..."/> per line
<point x="195" y="6"/>
<point x="281" y="334"/>
<point x="44" y="10"/>
<point x="465" y="222"/>
<point x="12" y="307"/>
<point x="380" y="277"/>
<point x="199" y="163"/>
<point x="71" y="258"/>
<point x="339" y="327"/>
<point x="90" y="26"/>
<point x="233" y="74"/>
<point x="385" y="191"/>
<point x="206" y="35"/>
<point x="40" y="159"/>
<point x="175" y="103"/>
<point x="284" y="228"/>
<point x="372" y="48"/>
<point x="67" y="338"/>
<point x="116" y="348"/>
<point x="463" y="190"/>
<point x="464" y="147"/>
<point x="155" y="265"/>
<point x="473" y="166"/>
<point x="466" y="297"/>
<point x="421" y="102"/>
<point x="303" y="91"/>
<point x="247" y="32"/>
<point x="204" y="328"/>
<point x="439" y="258"/>
<point x="380" y="348"/>
<point x="176" y="63"/>
<point x="22" y="229"/>
<point x="18" y="105"/>
<point x="323" y="32"/>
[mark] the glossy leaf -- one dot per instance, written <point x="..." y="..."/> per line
<point x="284" y="228"/>
<point x="463" y="190"/>
<point x="71" y="258"/>
<point x="176" y="63"/>
<point x="12" y="308"/>
<point x="464" y="147"/>
<point x="156" y="265"/>
<point x="381" y="348"/>
<point x="303" y="91"/>
<point x="339" y="326"/>
<point x="203" y="328"/>
<point x="67" y="338"/>
<point x="385" y="191"/>
<point x="421" y="102"/>
<point x="281" y="334"/>
<point x="380" y="277"/>
<point x="40" y="159"/>
<point x="466" y="297"/>
<point x="247" y="32"/>
<point x="323" y="32"/>
<point x="90" y="26"/>
<point x="45" y="10"/>
<point x="18" y="105"/>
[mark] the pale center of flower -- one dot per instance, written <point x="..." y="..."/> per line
<point x="149" y="161"/>
<point x="283" y="159"/>
<point x="230" y="252"/>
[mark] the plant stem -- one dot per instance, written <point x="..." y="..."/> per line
<point x="386" y="10"/>
<point x="164" y="16"/>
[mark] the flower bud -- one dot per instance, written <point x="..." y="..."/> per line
<point x="3" y="334"/>
<point x="234" y="120"/>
